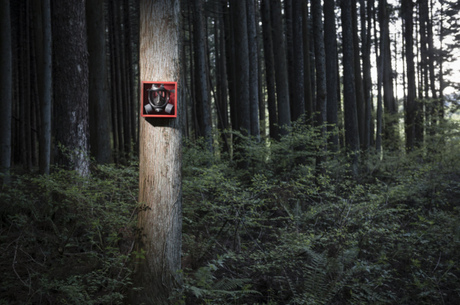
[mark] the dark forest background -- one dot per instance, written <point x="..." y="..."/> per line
<point x="320" y="161"/>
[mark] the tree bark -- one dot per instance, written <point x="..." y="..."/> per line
<point x="99" y="105"/>
<point x="242" y="65"/>
<point x="253" y="70"/>
<point x="298" y="82"/>
<point x="331" y="72"/>
<point x="407" y="8"/>
<point x="203" y="98"/>
<point x="6" y="86"/>
<point x="360" y="105"/>
<point x="349" y="94"/>
<point x="281" y="75"/>
<point x="71" y="85"/>
<point x="160" y="161"/>
<point x="269" y="69"/>
<point x="309" y="107"/>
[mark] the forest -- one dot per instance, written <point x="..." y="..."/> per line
<point x="313" y="155"/>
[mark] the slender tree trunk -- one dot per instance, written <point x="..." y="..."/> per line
<point x="203" y="99"/>
<point x="331" y="72"/>
<point x="321" y="88"/>
<point x="349" y="94"/>
<point x="242" y="65"/>
<point x="378" y="135"/>
<point x="298" y="82"/>
<point x="388" y="93"/>
<point x="71" y="84"/>
<point x="160" y="161"/>
<point x="309" y="107"/>
<point x="6" y="86"/>
<point x="411" y="106"/>
<point x="253" y="69"/>
<point x="269" y="69"/>
<point x="360" y="105"/>
<point x="281" y="77"/>
<point x="99" y="106"/>
<point x="367" y="81"/>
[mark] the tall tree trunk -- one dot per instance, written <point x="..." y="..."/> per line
<point x="230" y="60"/>
<point x="298" y="82"/>
<point x="253" y="69"/>
<point x="309" y="107"/>
<point x="281" y="76"/>
<point x="331" y="72"/>
<point x="160" y="162"/>
<point x="367" y="81"/>
<point x="6" y="86"/>
<point x="388" y="94"/>
<point x="242" y="64"/>
<point x="99" y="106"/>
<point x="287" y="14"/>
<point x="203" y="98"/>
<point x="360" y="105"/>
<point x="321" y="88"/>
<point x="269" y="69"/>
<point x="44" y="58"/>
<point x="349" y="94"/>
<point x="411" y="107"/>
<point x="71" y="85"/>
<point x="378" y="132"/>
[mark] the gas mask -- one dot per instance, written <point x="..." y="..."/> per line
<point x="158" y="100"/>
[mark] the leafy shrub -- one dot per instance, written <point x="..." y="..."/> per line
<point x="66" y="239"/>
<point x="283" y="234"/>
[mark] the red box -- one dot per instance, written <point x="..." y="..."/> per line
<point x="167" y="88"/>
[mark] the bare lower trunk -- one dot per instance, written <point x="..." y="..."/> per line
<point x="6" y="82"/>
<point x="160" y="161"/>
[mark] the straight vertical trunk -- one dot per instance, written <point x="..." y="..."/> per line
<point x="281" y="76"/>
<point x="298" y="82"/>
<point x="360" y="105"/>
<point x="160" y="161"/>
<point x="71" y="84"/>
<point x="242" y="65"/>
<point x="331" y="71"/>
<point x="309" y="107"/>
<point x="367" y="81"/>
<point x="349" y="94"/>
<point x="411" y="106"/>
<point x="253" y="69"/>
<point x="269" y="69"/>
<point x="203" y="99"/>
<point x="6" y="86"/>
<point x="99" y="106"/>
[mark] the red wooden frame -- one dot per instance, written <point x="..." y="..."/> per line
<point x="145" y="85"/>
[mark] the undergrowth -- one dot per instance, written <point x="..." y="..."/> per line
<point x="389" y="235"/>
<point x="66" y="239"/>
<point x="278" y="230"/>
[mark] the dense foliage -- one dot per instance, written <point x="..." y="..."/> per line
<point x="389" y="235"/>
<point x="66" y="239"/>
<point x="275" y="232"/>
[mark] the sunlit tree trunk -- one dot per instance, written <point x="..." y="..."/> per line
<point x="160" y="161"/>
<point x="70" y="70"/>
<point x="6" y="86"/>
<point x="99" y="105"/>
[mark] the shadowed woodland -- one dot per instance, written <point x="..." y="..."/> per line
<point x="318" y="152"/>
